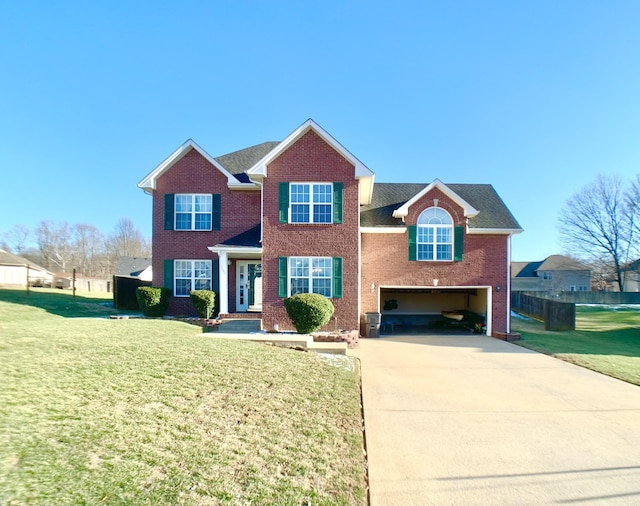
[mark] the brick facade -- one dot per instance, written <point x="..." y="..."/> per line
<point x="240" y="210"/>
<point x="310" y="159"/>
<point x="385" y="262"/>
<point x="369" y="260"/>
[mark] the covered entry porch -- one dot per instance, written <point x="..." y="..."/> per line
<point x="240" y="281"/>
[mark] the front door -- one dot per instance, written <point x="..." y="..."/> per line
<point x="249" y="286"/>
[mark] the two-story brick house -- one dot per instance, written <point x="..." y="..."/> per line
<point x="305" y="215"/>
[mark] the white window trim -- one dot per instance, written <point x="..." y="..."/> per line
<point x="435" y="244"/>
<point x="310" y="278"/>
<point x="193" y="212"/>
<point x="193" y="278"/>
<point x="311" y="203"/>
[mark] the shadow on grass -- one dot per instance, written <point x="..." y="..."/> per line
<point x="60" y="302"/>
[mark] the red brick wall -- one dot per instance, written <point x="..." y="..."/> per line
<point x="385" y="261"/>
<point x="240" y="211"/>
<point x="310" y="159"/>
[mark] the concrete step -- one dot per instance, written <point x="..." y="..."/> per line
<point x="239" y="326"/>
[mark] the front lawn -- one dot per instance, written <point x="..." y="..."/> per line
<point x="100" y="411"/>
<point x="606" y="339"/>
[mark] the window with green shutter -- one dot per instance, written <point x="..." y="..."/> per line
<point x="283" y="202"/>
<point x="337" y="278"/>
<point x="458" y="243"/>
<point x="168" y="211"/>
<point x="283" y="289"/>
<point x="168" y="274"/>
<point x="337" y="202"/>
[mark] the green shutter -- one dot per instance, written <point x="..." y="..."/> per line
<point x="168" y="211"/>
<point x="458" y="244"/>
<point x="337" y="202"/>
<point x="411" y="229"/>
<point x="283" y="202"/>
<point x="168" y="274"/>
<point x="215" y="275"/>
<point x="215" y="211"/>
<point x="337" y="278"/>
<point x="282" y="276"/>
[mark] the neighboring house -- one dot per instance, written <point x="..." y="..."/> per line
<point x="630" y="278"/>
<point x="134" y="267"/>
<point x="304" y="215"/>
<point x="15" y="270"/>
<point x="557" y="273"/>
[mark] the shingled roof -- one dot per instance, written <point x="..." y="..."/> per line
<point x="242" y="160"/>
<point x="387" y="197"/>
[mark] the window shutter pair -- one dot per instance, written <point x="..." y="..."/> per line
<point x="336" y="281"/>
<point x="458" y="242"/>
<point x="283" y="202"/>
<point x="169" y="211"/>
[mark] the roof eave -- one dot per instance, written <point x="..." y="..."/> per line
<point x="494" y="231"/>
<point x="468" y="209"/>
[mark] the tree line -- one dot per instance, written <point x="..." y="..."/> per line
<point x="61" y="247"/>
<point x="600" y="224"/>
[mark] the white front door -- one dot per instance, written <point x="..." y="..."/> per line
<point x="248" y="286"/>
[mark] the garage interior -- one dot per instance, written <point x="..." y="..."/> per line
<point x="440" y="310"/>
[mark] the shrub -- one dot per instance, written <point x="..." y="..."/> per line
<point x="308" y="311"/>
<point x="204" y="301"/>
<point x="153" y="300"/>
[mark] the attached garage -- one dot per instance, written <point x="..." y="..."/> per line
<point x="435" y="309"/>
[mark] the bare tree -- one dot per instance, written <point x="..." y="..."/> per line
<point x="597" y="222"/>
<point x="54" y="245"/>
<point x="88" y="249"/>
<point x="16" y="239"/>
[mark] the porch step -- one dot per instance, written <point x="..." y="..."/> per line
<point x="239" y="326"/>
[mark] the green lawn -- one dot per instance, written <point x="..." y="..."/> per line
<point x="606" y="339"/>
<point x="101" y="411"/>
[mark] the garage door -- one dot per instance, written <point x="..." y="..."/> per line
<point x="435" y="309"/>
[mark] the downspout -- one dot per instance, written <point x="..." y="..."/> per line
<point x="508" y="328"/>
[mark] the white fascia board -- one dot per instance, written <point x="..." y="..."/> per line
<point x="383" y="230"/>
<point x="469" y="210"/>
<point x="260" y="168"/>
<point x="243" y="186"/>
<point x="234" y="249"/>
<point x="148" y="183"/>
<point x="494" y="231"/>
<point x="365" y="189"/>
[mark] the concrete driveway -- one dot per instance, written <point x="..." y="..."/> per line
<point x="474" y="420"/>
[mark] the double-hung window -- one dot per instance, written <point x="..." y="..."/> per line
<point x="191" y="275"/>
<point x="193" y="211"/>
<point x="311" y="202"/>
<point x="434" y="235"/>
<point x="310" y="275"/>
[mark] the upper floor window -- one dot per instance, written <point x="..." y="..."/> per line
<point x="434" y="235"/>
<point x="310" y="202"/>
<point x="193" y="212"/>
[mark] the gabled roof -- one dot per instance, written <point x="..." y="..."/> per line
<point x="10" y="259"/>
<point x="148" y="184"/>
<point x="491" y="212"/>
<point x="525" y="269"/>
<point x="132" y="266"/>
<point x="362" y="172"/>
<point x="403" y="210"/>
<point x="562" y="263"/>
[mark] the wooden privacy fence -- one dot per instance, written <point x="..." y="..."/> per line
<point x="124" y="292"/>
<point x="555" y="315"/>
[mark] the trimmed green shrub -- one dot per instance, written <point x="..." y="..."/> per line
<point x="308" y="311"/>
<point x="204" y="301"/>
<point x="153" y="300"/>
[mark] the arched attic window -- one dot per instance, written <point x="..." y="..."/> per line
<point x="434" y="235"/>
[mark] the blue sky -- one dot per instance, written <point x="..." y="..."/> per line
<point x="536" y="98"/>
